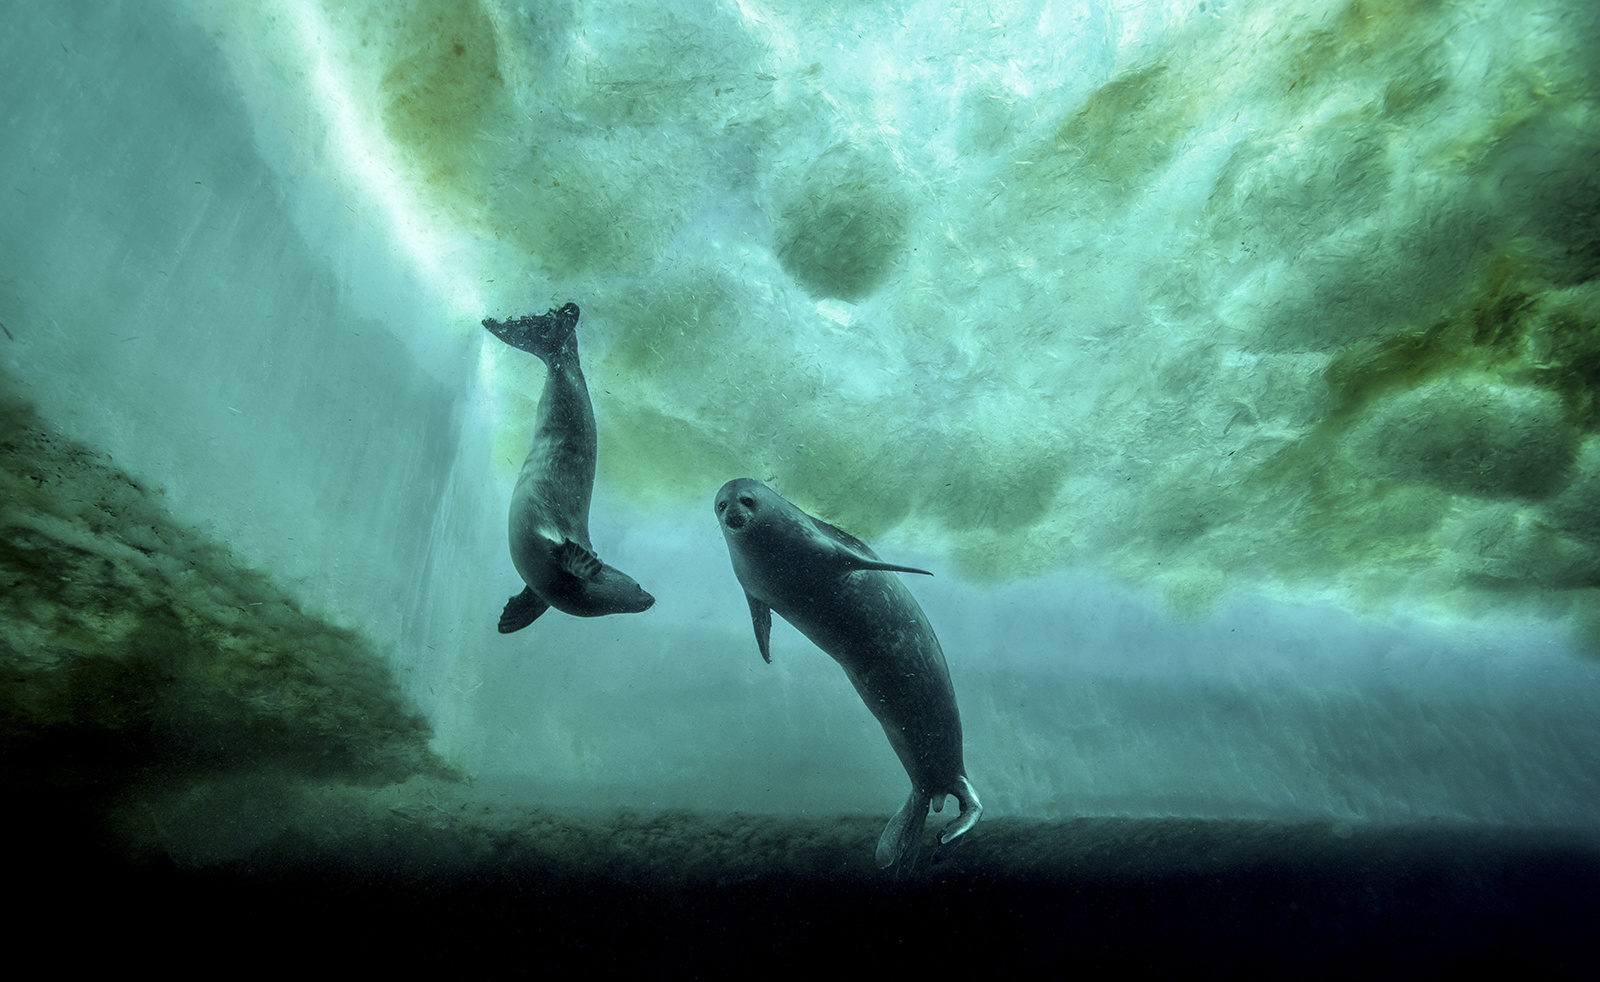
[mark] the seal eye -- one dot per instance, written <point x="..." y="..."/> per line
<point x="722" y="506"/>
<point x="747" y="501"/>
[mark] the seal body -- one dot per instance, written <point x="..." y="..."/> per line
<point x="549" y="520"/>
<point x="839" y="594"/>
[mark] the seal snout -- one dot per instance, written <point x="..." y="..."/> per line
<point x="736" y="505"/>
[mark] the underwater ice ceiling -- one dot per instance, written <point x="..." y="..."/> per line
<point x="1279" y="294"/>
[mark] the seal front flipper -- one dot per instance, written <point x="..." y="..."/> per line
<point x="859" y="562"/>
<point x="854" y="554"/>
<point x="761" y="618"/>
<point x="521" y="610"/>
<point x="577" y="560"/>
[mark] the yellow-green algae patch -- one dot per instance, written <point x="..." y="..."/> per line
<point x="134" y="648"/>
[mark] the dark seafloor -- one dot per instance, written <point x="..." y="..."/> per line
<point x="200" y="778"/>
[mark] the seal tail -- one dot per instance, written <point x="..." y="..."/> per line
<point x="544" y="335"/>
<point x="904" y="832"/>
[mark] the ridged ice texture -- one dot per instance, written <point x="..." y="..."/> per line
<point x="1206" y="293"/>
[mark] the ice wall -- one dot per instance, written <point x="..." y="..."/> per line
<point x="293" y="395"/>
<point x="1232" y="363"/>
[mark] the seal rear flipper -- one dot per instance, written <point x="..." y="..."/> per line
<point x="904" y="832"/>
<point x="761" y="619"/>
<point x="521" y="610"/>
<point x="538" y="334"/>
<point x="971" y="809"/>
<point x="577" y="560"/>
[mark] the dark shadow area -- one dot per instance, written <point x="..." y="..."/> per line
<point x="698" y="896"/>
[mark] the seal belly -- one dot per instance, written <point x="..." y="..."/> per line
<point x="872" y="626"/>
<point x="541" y="517"/>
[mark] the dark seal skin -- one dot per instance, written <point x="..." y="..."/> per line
<point x="837" y="592"/>
<point x="549" y="522"/>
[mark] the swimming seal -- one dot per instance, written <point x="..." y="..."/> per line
<point x="838" y="593"/>
<point x="549" y="522"/>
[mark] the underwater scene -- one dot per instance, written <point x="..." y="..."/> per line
<point x="664" y="487"/>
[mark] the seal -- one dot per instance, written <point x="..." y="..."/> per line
<point x="549" y="522"/>
<point x="838" y="593"/>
